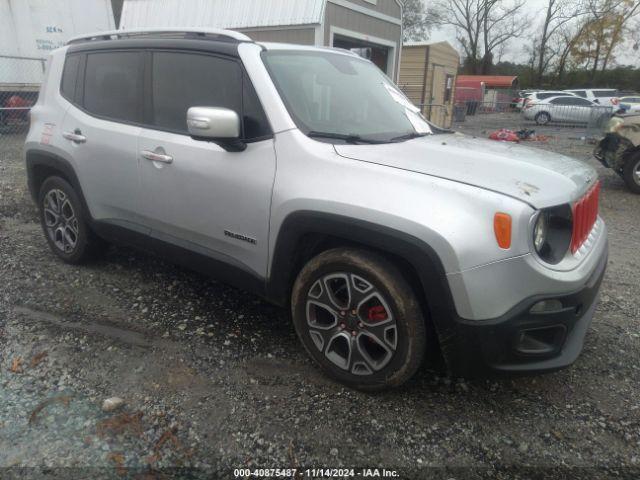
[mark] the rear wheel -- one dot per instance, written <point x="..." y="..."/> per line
<point x="63" y="222"/>
<point x="631" y="173"/>
<point x="542" y="118"/>
<point x="359" y="319"/>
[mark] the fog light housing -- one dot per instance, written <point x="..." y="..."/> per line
<point x="546" y="306"/>
<point x="542" y="341"/>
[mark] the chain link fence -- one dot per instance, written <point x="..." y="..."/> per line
<point x="499" y="113"/>
<point x="20" y="79"/>
<point x="564" y="125"/>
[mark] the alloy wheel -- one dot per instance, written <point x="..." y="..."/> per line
<point x="60" y="221"/>
<point x="351" y="323"/>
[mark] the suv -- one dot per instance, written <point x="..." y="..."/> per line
<point x="304" y="175"/>
<point x="603" y="96"/>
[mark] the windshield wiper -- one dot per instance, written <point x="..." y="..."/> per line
<point x="348" y="138"/>
<point x="409" y="136"/>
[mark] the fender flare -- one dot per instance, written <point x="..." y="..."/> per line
<point x="417" y="253"/>
<point x="41" y="158"/>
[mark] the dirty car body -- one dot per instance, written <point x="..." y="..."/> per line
<point x="619" y="149"/>
<point x="498" y="248"/>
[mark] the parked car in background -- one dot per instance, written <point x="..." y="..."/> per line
<point x="518" y="102"/>
<point x="601" y="96"/>
<point x="620" y="148"/>
<point x="539" y="95"/>
<point x="15" y="109"/>
<point x="629" y="103"/>
<point x="566" y="108"/>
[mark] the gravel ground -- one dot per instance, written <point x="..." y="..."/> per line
<point x="214" y="378"/>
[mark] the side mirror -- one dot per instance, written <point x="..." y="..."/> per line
<point x="221" y="125"/>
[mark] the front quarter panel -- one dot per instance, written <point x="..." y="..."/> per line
<point x="453" y="219"/>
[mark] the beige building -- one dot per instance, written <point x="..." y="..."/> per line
<point x="428" y="77"/>
<point x="371" y="28"/>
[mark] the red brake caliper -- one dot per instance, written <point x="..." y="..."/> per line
<point x="377" y="313"/>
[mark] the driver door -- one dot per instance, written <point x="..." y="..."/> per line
<point x="200" y="196"/>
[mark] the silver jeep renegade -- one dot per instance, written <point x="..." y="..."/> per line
<point x="304" y="175"/>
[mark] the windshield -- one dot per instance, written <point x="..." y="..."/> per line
<point x="342" y="97"/>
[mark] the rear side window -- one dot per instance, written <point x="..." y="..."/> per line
<point x="581" y="101"/>
<point x="113" y="85"/>
<point x="184" y="80"/>
<point x="580" y="93"/>
<point x="572" y="101"/>
<point x="604" y="93"/>
<point x="69" y="76"/>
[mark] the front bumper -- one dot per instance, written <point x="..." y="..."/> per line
<point x="521" y="341"/>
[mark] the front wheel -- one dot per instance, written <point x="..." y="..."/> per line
<point x="542" y="118"/>
<point x="631" y="173"/>
<point x="359" y="319"/>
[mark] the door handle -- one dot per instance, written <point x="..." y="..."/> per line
<point x="156" y="157"/>
<point x="75" y="136"/>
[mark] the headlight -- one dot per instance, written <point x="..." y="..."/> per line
<point x="552" y="233"/>
<point x="540" y="232"/>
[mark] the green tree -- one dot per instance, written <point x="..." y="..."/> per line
<point x="595" y="45"/>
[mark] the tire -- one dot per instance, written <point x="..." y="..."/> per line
<point x="631" y="173"/>
<point x="542" y="118"/>
<point x="64" y="223"/>
<point x="372" y="338"/>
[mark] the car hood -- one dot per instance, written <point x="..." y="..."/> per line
<point x="537" y="177"/>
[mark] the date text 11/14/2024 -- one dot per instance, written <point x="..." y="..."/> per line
<point x="315" y="473"/>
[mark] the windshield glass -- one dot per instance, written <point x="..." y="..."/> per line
<point x="331" y="95"/>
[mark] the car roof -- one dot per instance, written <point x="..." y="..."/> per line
<point x="549" y="91"/>
<point x="547" y="100"/>
<point x="591" y="89"/>
<point x="308" y="48"/>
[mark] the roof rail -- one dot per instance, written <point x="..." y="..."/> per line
<point x="141" y="32"/>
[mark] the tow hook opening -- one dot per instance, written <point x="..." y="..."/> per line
<point x="541" y="341"/>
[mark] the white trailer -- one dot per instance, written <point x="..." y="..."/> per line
<point x="30" y="29"/>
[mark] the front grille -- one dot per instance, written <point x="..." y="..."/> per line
<point x="585" y="214"/>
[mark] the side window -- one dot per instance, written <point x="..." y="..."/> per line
<point x="113" y="85"/>
<point x="69" y="76"/>
<point x="577" y="101"/>
<point x="448" y="87"/>
<point x="580" y="93"/>
<point x="256" y="124"/>
<point x="561" y="101"/>
<point x="604" y="93"/>
<point x="184" y="80"/>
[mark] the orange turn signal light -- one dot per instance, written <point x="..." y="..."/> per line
<point x="502" y="229"/>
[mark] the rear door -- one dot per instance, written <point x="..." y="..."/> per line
<point x="560" y="109"/>
<point x="101" y="129"/>
<point x="580" y="110"/>
<point x="206" y="199"/>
